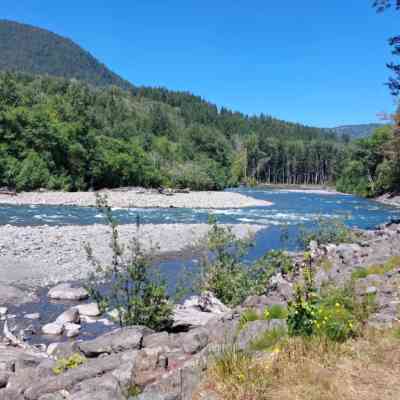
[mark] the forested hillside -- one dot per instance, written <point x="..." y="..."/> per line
<point x="356" y="131"/>
<point x="372" y="165"/>
<point x="26" y="48"/>
<point x="64" y="134"/>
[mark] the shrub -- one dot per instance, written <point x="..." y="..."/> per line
<point x="221" y="270"/>
<point x="273" y="262"/>
<point x="64" y="364"/>
<point x="248" y="316"/>
<point x="133" y="287"/>
<point x="276" y="311"/>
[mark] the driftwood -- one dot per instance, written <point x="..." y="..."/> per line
<point x="12" y="340"/>
<point x="171" y="192"/>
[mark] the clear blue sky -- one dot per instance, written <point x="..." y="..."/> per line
<point x="317" y="62"/>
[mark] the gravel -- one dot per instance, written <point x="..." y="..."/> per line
<point x="137" y="198"/>
<point x="46" y="255"/>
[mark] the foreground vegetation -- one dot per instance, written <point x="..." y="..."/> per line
<point x="364" y="367"/>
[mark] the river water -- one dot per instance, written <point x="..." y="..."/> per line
<point x="290" y="211"/>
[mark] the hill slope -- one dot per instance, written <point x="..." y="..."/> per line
<point x="356" y="131"/>
<point x="101" y="131"/>
<point x="34" y="50"/>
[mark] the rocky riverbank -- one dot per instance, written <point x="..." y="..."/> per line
<point x="389" y="199"/>
<point x="137" y="198"/>
<point x="137" y="363"/>
<point x="45" y="255"/>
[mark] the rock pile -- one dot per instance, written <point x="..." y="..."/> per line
<point x="138" y="363"/>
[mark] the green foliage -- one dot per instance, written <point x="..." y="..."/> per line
<point x="133" y="391"/>
<point x="275" y="311"/>
<point x="134" y="289"/>
<point x="64" y="364"/>
<point x="79" y="137"/>
<point x="222" y="271"/>
<point x="248" y="316"/>
<point x="273" y="262"/>
<point x="327" y="231"/>
<point x="334" y="313"/>
<point x="372" y="165"/>
<point x="269" y="340"/>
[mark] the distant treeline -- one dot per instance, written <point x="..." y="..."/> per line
<point x="65" y="134"/>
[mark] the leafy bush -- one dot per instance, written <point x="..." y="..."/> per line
<point x="273" y="262"/>
<point x="276" y="311"/>
<point x="64" y="364"/>
<point x="333" y="313"/>
<point x="222" y="271"/>
<point x="133" y="287"/>
<point x="248" y="316"/>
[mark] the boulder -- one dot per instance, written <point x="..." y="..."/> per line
<point x="72" y="377"/>
<point x="62" y="350"/>
<point x="116" y="341"/>
<point x="89" y="310"/>
<point x="253" y="330"/>
<point x="15" y="296"/>
<point x="160" y="339"/>
<point x="207" y="302"/>
<point x="4" y="376"/>
<point x="190" y="317"/>
<point x="53" y="329"/>
<point x="71" y="330"/>
<point x="66" y="292"/>
<point x="195" y="340"/>
<point x="69" y="316"/>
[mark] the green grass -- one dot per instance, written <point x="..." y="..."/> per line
<point x="276" y="311"/>
<point x="377" y="269"/>
<point x="249" y="315"/>
<point x="268" y="340"/>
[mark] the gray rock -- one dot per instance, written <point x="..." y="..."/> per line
<point x="13" y="295"/>
<point x="190" y="317"/>
<point x="116" y="341"/>
<point x="66" y="292"/>
<point x="72" y="330"/>
<point x="89" y="310"/>
<point x="3" y="311"/>
<point x="53" y="329"/>
<point x="207" y="302"/>
<point x="160" y="339"/>
<point x="69" y="316"/>
<point x="195" y="340"/>
<point x="62" y="350"/>
<point x="52" y="396"/>
<point x="4" y="376"/>
<point x="32" y="316"/>
<point x="72" y="377"/>
<point x="253" y="330"/>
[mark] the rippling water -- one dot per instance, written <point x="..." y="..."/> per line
<point x="290" y="211"/>
<point x="289" y="208"/>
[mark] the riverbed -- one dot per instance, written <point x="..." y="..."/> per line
<point x="44" y="244"/>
